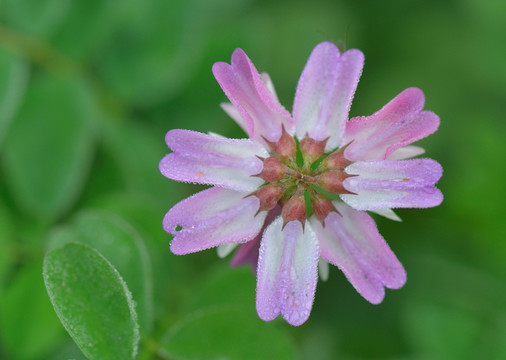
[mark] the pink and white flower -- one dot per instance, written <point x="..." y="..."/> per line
<point x="260" y="184"/>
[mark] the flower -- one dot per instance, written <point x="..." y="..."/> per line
<point x="261" y="184"/>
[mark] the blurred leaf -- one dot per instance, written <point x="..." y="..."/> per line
<point x="227" y="333"/>
<point x="454" y="311"/>
<point x="442" y="332"/>
<point x="120" y="244"/>
<point x="161" y="46"/>
<point x="37" y="18"/>
<point x="28" y="325"/>
<point x="88" y="26"/>
<point x="69" y="350"/>
<point x="137" y="151"/>
<point x="92" y="301"/>
<point x="14" y="75"/>
<point x="171" y="274"/>
<point x="226" y="286"/>
<point x="155" y="52"/>
<point x="49" y="147"/>
<point x="6" y="238"/>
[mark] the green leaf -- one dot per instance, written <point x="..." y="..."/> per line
<point x="92" y="302"/>
<point x="226" y="333"/>
<point x="92" y="23"/>
<point x="120" y="244"/>
<point x="49" y="147"/>
<point x="145" y="215"/>
<point x="6" y="239"/>
<point x="137" y="150"/>
<point x="14" y="75"/>
<point x="156" y="51"/>
<point x="226" y="286"/>
<point x="28" y="324"/>
<point x="38" y="18"/>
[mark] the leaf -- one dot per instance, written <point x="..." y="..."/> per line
<point x="137" y="150"/>
<point x="156" y="51"/>
<point x="88" y="26"/>
<point x="120" y="244"/>
<point x="226" y="333"/>
<point x="6" y="239"/>
<point x="145" y="215"/>
<point x="14" y="75"/>
<point x="37" y="18"/>
<point x="226" y="286"/>
<point x="92" y="302"/>
<point x="49" y="147"/>
<point x="28" y="324"/>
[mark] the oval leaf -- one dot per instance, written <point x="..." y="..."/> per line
<point x="227" y="333"/>
<point x="120" y="244"/>
<point x="92" y="302"/>
<point x="49" y="146"/>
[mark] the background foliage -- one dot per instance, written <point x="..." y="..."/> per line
<point x="88" y="90"/>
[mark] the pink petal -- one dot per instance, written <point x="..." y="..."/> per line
<point x="261" y="111"/>
<point x="393" y="184"/>
<point x="398" y="123"/>
<point x="325" y="91"/>
<point x="266" y="79"/>
<point x="352" y="242"/>
<point x="213" y="217"/>
<point x="287" y="272"/>
<point x="247" y="254"/>
<point x="208" y="159"/>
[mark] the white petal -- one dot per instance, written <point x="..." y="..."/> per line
<point x="388" y="213"/>
<point x="225" y="249"/>
<point x="323" y="269"/>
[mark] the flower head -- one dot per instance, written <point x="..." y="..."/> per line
<point x="262" y="186"/>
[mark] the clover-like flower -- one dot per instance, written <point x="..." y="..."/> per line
<point x="315" y="158"/>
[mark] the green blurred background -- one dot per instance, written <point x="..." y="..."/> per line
<point x="88" y="90"/>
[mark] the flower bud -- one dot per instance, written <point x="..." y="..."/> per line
<point x="336" y="160"/>
<point x="311" y="150"/>
<point x="332" y="181"/>
<point x="274" y="170"/>
<point x="321" y="206"/>
<point x="285" y="148"/>
<point x="295" y="209"/>
<point x="269" y="196"/>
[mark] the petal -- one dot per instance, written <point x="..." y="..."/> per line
<point x="247" y="254"/>
<point x="208" y="159"/>
<point x="325" y="91"/>
<point x="352" y="242"/>
<point x="266" y="79"/>
<point x="388" y="213"/>
<point x="398" y="123"/>
<point x="213" y="217"/>
<point x="406" y="152"/>
<point x="224" y="249"/>
<point x="287" y="272"/>
<point x="393" y="184"/>
<point x="323" y="269"/>
<point x="261" y="111"/>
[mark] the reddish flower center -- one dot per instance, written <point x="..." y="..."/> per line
<point x="299" y="178"/>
